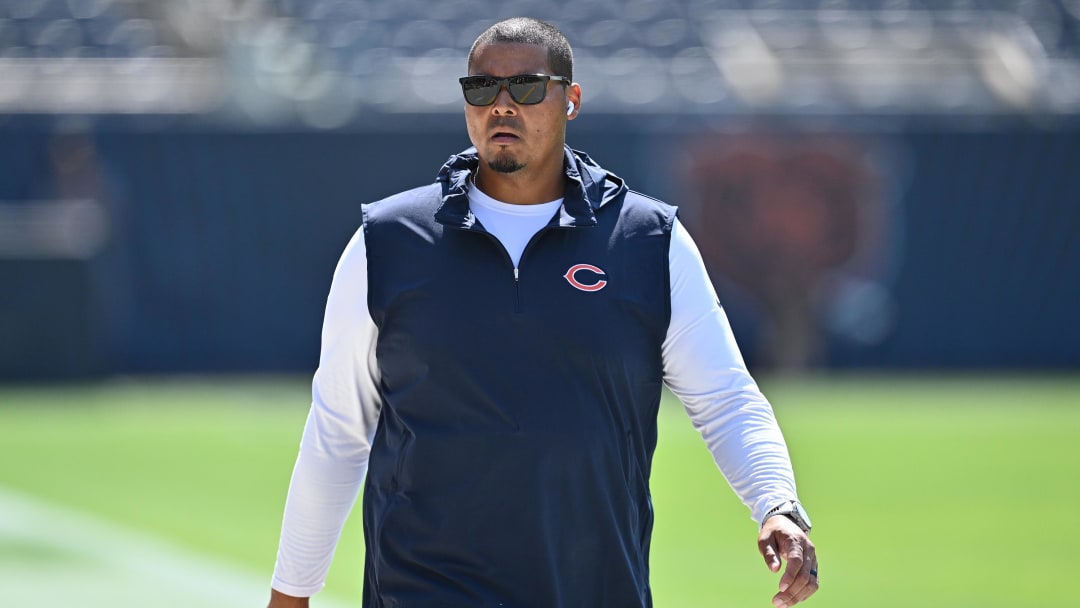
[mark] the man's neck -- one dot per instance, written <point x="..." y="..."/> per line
<point x="523" y="187"/>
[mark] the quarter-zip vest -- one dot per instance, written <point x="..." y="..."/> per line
<point x="511" y="461"/>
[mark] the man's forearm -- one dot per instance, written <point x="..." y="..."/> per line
<point x="280" y="600"/>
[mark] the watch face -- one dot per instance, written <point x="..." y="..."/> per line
<point x="800" y="513"/>
<point x="793" y="511"/>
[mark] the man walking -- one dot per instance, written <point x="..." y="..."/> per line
<point x="493" y="354"/>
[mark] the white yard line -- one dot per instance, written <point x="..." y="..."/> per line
<point x="52" y="556"/>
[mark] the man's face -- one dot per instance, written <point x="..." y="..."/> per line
<point x="510" y="136"/>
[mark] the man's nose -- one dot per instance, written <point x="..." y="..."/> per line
<point x="504" y="103"/>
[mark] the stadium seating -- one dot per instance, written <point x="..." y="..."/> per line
<point x="793" y="56"/>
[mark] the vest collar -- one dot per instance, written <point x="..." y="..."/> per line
<point x="588" y="188"/>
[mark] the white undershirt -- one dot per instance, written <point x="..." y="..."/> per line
<point x="512" y="224"/>
<point x="702" y="367"/>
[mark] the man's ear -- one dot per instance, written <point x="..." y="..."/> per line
<point x="573" y="101"/>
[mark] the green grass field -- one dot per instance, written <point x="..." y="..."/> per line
<point x="950" y="491"/>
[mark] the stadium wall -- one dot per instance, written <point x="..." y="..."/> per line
<point x="910" y="248"/>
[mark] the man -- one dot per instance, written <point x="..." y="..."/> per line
<point x="494" y="350"/>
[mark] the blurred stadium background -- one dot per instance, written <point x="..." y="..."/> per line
<point x="887" y="193"/>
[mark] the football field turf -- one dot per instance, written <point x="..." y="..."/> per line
<point x="924" y="491"/>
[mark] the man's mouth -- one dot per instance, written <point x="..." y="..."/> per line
<point x="504" y="137"/>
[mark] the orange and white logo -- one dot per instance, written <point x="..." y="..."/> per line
<point x="586" y="272"/>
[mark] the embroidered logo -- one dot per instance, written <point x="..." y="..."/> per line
<point x="597" y="283"/>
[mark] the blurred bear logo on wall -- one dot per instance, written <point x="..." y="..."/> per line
<point x="800" y="224"/>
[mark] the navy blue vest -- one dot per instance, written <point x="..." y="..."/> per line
<point x="511" y="461"/>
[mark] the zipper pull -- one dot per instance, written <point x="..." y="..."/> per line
<point x="515" y="274"/>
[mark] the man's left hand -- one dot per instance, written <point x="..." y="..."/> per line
<point x="783" y="541"/>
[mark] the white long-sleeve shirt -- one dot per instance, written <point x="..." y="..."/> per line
<point x="701" y="363"/>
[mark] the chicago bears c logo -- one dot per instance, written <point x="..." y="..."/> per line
<point x="572" y="278"/>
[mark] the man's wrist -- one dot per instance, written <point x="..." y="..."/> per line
<point x="792" y="510"/>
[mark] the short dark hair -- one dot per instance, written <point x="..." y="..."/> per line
<point x="526" y="30"/>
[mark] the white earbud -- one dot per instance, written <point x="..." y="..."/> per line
<point x="569" y="108"/>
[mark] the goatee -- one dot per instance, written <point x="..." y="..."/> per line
<point x="504" y="165"/>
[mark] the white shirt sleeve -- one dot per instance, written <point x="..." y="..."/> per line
<point x="333" y="458"/>
<point x="705" y="370"/>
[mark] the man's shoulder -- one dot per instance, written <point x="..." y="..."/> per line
<point x="408" y="203"/>
<point x="645" y="201"/>
<point x="642" y="208"/>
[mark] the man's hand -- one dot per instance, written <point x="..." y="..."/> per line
<point x="280" y="600"/>
<point x="782" y="540"/>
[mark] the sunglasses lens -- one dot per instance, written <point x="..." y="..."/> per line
<point x="527" y="90"/>
<point x="480" y="91"/>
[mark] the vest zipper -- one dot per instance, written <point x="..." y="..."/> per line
<point x="524" y="254"/>
<point x="517" y="291"/>
<point x="506" y="256"/>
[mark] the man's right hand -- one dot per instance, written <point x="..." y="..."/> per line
<point x="280" y="600"/>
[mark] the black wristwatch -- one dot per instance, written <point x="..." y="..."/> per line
<point x="793" y="511"/>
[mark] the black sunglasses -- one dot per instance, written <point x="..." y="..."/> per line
<point x="526" y="89"/>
